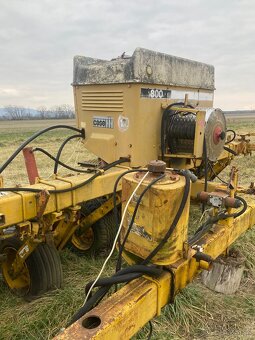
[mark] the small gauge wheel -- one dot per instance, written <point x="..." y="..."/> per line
<point x="41" y="271"/>
<point x="99" y="237"/>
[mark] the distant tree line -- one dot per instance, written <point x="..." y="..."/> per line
<point x="13" y="112"/>
<point x="57" y="112"/>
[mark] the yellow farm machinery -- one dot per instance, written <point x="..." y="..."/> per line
<point x="149" y="120"/>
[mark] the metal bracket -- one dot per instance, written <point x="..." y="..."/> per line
<point x="160" y="292"/>
<point x="42" y="199"/>
<point x="22" y="254"/>
<point x="98" y="213"/>
<point x="31" y="165"/>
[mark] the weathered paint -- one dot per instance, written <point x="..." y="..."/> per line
<point x="128" y="310"/>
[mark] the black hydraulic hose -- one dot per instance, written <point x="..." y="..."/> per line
<point x="119" y="161"/>
<point x="124" y="276"/>
<point x="140" y="268"/>
<point x="150" y="331"/>
<point x="175" y="221"/>
<point x="57" y="191"/>
<point x="118" y="265"/>
<point x="128" y="274"/>
<point x="115" y="209"/>
<point x="105" y="168"/>
<point x="171" y="229"/>
<point x="100" y="293"/>
<point x="61" y="149"/>
<point x="113" y="280"/>
<point x="202" y="230"/>
<point x="214" y="219"/>
<point x="239" y="213"/>
<point x="230" y="150"/>
<point x="61" y="191"/>
<point x="94" y="300"/>
<point x="234" y="136"/>
<point x="46" y="153"/>
<point x="217" y="176"/>
<point x="132" y="273"/>
<point x="34" y="136"/>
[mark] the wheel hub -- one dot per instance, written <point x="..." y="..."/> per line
<point x="18" y="282"/>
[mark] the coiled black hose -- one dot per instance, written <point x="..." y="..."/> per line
<point x="163" y="127"/>
<point x="166" y="124"/>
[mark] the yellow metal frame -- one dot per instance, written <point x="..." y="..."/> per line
<point x="140" y="300"/>
<point x="128" y="310"/>
<point x="23" y="206"/>
<point x="19" y="207"/>
<point x="60" y="217"/>
<point x="68" y="226"/>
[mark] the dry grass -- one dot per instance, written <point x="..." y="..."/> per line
<point x="197" y="313"/>
<point x="13" y="133"/>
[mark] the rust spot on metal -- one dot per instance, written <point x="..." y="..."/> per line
<point x="42" y="199"/>
<point x="157" y="166"/>
<point x="170" y="177"/>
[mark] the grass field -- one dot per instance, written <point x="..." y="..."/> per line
<point x="197" y="312"/>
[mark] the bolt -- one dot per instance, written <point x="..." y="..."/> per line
<point x="157" y="166"/>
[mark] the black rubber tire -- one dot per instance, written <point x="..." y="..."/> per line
<point x="55" y="265"/>
<point x="104" y="234"/>
<point x="43" y="266"/>
<point x="104" y="231"/>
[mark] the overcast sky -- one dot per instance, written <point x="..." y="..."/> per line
<point x="38" y="39"/>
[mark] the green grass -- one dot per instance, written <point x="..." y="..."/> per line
<point x="197" y="313"/>
<point x="44" y="317"/>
